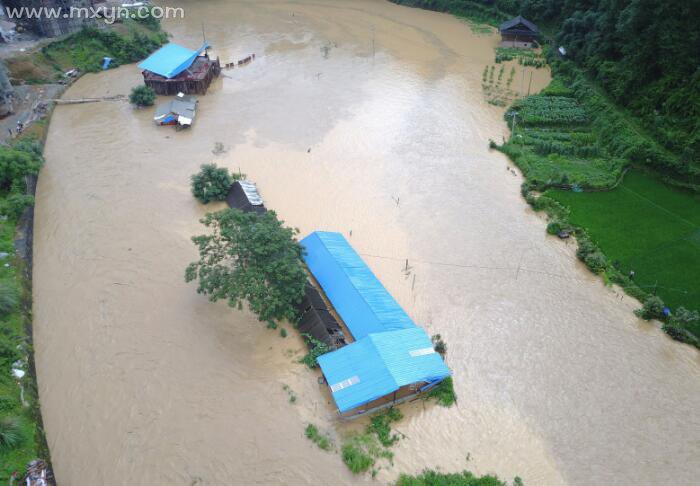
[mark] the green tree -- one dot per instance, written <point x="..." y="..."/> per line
<point x="15" y="164"/>
<point x="142" y="96"/>
<point x="211" y="183"/>
<point x="250" y="257"/>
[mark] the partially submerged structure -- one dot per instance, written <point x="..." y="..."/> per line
<point x="175" y="69"/>
<point x="317" y="320"/>
<point x="244" y="195"/>
<point x="518" y="32"/>
<point x="179" y="111"/>
<point x="391" y="359"/>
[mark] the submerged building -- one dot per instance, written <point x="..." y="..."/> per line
<point x="179" y="111"/>
<point x="391" y="359"/>
<point x="174" y="69"/>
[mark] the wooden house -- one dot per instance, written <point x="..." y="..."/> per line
<point x="518" y="32"/>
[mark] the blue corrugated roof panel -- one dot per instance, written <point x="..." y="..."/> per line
<point x="380" y="364"/>
<point x="361" y="300"/>
<point x="171" y="59"/>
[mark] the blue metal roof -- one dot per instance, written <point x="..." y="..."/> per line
<point x="380" y="364"/>
<point x="171" y="59"/>
<point x="361" y="300"/>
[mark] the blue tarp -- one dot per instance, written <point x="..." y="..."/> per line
<point x="171" y="59"/>
<point x="380" y="364"/>
<point x="361" y="300"/>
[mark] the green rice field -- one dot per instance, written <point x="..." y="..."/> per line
<point x="648" y="227"/>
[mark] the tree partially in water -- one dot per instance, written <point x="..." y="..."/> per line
<point x="250" y="257"/>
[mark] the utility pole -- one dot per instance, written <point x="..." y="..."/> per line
<point x="530" y="84"/>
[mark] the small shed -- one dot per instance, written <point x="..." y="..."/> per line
<point x="244" y="195"/>
<point x="518" y="32"/>
<point x="175" y="69"/>
<point x="179" y="111"/>
<point x="317" y="321"/>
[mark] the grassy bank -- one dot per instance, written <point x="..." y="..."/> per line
<point x="573" y="143"/>
<point x="85" y="50"/>
<point x="646" y="227"/>
<point x="574" y="147"/>
<point x="21" y="439"/>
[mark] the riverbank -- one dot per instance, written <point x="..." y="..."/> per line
<point x="573" y="137"/>
<point x="40" y="74"/>
<point x="22" y="437"/>
<point x="571" y="143"/>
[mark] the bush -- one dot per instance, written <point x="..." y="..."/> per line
<point x="433" y="478"/>
<point x="14" y="205"/>
<point x="555" y="227"/>
<point x="682" y="326"/>
<point x="443" y="393"/>
<point x="211" y="183"/>
<point x="10" y="432"/>
<point x="16" y="163"/>
<point x="596" y="261"/>
<point x="439" y="345"/>
<point x="380" y="425"/>
<point x="316" y="349"/>
<point x="322" y="441"/>
<point x="355" y="458"/>
<point x="142" y="96"/>
<point x="653" y="308"/>
<point x="9" y="299"/>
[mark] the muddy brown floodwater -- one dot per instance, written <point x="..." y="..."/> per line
<point x="357" y="116"/>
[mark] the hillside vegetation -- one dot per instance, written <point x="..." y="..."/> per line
<point x="642" y="54"/>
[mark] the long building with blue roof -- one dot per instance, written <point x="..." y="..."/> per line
<point x="391" y="359"/>
<point x="357" y="295"/>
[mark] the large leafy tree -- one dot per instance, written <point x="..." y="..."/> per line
<point x="249" y="257"/>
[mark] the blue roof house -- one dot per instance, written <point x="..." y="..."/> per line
<point x="391" y="359"/>
<point x="174" y="69"/>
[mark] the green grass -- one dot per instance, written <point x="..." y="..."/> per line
<point x="128" y="42"/>
<point x="380" y="425"/>
<point x="525" y="57"/>
<point x="443" y="393"/>
<point x="361" y="451"/>
<point x="323" y="441"/>
<point x="22" y="446"/>
<point x="434" y="478"/>
<point x="554" y="143"/>
<point x="645" y="226"/>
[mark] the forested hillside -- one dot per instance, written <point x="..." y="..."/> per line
<point x="644" y="53"/>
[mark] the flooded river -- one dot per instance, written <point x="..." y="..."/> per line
<point x="362" y="117"/>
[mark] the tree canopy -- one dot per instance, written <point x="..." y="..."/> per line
<point x="142" y="96"/>
<point x="252" y="258"/>
<point x="211" y="183"/>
